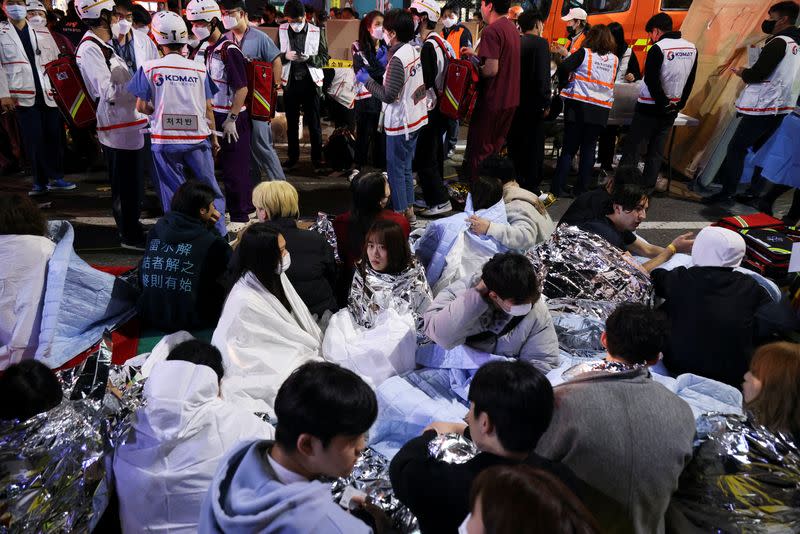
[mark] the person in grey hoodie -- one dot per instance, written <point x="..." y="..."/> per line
<point x="500" y="312"/>
<point x="624" y="434"/>
<point x="267" y="486"/>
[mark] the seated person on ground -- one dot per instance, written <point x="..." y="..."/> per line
<point x="624" y="434"/>
<point x="164" y="466"/>
<point x="499" y="312"/>
<point x="627" y="210"/>
<point x="771" y="388"/>
<point x="388" y="276"/>
<point x="313" y="269"/>
<point x="511" y="404"/>
<point x="528" y="221"/>
<point x="524" y="500"/>
<point x="24" y="252"/>
<point x="28" y="388"/>
<point x="183" y="261"/>
<point x="595" y="203"/>
<point x="265" y="331"/>
<point x="324" y="412"/>
<point x="716" y="314"/>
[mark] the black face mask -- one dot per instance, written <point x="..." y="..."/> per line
<point x="571" y="31"/>
<point x="768" y="26"/>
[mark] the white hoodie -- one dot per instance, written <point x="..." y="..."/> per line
<point x="166" y="463"/>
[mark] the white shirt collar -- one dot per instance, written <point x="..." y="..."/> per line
<point x="284" y="475"/>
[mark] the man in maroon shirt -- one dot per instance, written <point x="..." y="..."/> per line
<point x="498" y="92"/>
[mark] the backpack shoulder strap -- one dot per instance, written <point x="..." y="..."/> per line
<point x="107" y="52"/>
<point x="438" y="40"/>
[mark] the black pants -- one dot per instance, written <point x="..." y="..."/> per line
<point x="653" y="131"/>
<point x="577" y="136"/>
<point x="526" y="148"/>
<point x="429" y="159"/>
<point x="303" y="94"/>
<point x="369" y="141"/>
<point x="607" y="147"/>
<point x="42" y="131"/>
<point x="752" y="132"/>
<point x="125" y="171"/>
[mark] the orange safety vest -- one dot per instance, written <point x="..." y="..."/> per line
<point x="575" y="44"/>
<point x="593" y="81"/>
<point x="454" y="38"/>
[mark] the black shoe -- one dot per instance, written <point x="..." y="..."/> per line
<point x="717" y="198"/>
<point x="289" y="165"/>
<point x="762" y="205"/>
<point x="746" y="198"/>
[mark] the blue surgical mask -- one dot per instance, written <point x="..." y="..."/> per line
<point x="16" y="12"/>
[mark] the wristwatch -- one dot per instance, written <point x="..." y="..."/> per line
<point x="232" y="116"/>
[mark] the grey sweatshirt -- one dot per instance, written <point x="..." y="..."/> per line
<point x="527" y="226"/>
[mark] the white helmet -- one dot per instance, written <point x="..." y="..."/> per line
<point x="206" y="10"/>
<point x="169" y="28"/>
<point x="429" y="7"/>
<point x="91" y="9"/>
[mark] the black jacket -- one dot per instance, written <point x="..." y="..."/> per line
<point x="534" y="75"/>
<point x="367" y="59"/>
<point x="438" y="492"/>
<point x="652" y="77"/>
<point x="714" y="314"/>
<point x="179" y="273"/>
<point x="313" y="268"/>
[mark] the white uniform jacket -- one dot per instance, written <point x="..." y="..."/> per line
<point x="16" y="74"/>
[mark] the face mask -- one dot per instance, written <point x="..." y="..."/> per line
<point x="230" y="22"/>
<point x="286" y="261"/>
<point x="571" y="31"/>
<point x="37" y="21"/>
<point x="462" y="528"/>
<point x="201" y="32"/>
<point x="144" y="30"/>
<point x="449" y="22"/>
<point x="115" y="29"/>
<point x="387" y="39"/>
<point x="297" y="27"/>
<point x="124" y="27"/>
<point x="15" y="12"/>
<point x="768" y="26"/>
<point x="377" y="33"/>
<point x="518" y="310"/>
<point x="193" y="43"/>
<point x="416" y="23"/>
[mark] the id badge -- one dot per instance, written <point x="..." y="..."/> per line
<point x="186" y="123"/>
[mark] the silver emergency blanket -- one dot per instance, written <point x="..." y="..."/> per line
<point x="579" y="324"/>
<point x="373" y="292"/>
<point x="55" y="468"/>
<point x="371" y="475"/>
<point x="452" y="448"/>
<point x="581" y="265"/>
<point x="743" y="478"/>
<point x="324" y="226"/>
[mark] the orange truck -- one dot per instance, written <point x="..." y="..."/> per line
<point x="632" y="14"/>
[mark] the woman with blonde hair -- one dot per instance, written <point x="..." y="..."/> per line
<point x="313" y="268"/>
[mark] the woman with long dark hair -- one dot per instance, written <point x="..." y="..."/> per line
<point x="369" y="52"/>
<point x="265" y="331"/>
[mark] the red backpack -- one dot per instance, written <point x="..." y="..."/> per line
<point x="261" y="92"/>
<point x="460" y="89"/>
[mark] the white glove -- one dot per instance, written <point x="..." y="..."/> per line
<point x="291" y="55"/>
<point x="229" y="130"/>
<point x="120" y="75"/>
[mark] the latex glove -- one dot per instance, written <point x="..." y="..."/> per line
<point x="291" y="55"/>
<point x="303" y="58"/>
<point x="120" y="75"/>
<point x="229" y="130"/>
<point x="383" y="56"/>
<point x="362" y="75"/>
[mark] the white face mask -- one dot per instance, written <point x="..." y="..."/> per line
<point x="16" y="12"/>
<point x="297" y="27"/>
<point x="230" y="22"/>
<point x="518" y="310"/>
<point x="377" y="33"/>
<point x="387" y="39"/>
<point x="144" y="30"/>
<point x="449" y="22"/>
<point x="201" y="32"/>
<point x="124" y="27"/>
<point x="115" y="29"/>
<point x="37" y="21"/>
<point x="462" y="528"/>
<point x="286" y="261"/>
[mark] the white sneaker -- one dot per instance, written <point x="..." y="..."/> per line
<point x="440" y="209"/>
<point x="235" y="227"/>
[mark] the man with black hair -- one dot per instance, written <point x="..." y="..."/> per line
<point x="669" y="72"/>
<point x="498" y="93"/>
<point x="270" y="16"/>
<point x="141" y="20"/>
<point x="499" y="312"/>
<point x="526" y="137"/>
<point x="627" y="210"/>
<point x="133" y="47"/>
<point x="769" y="94"/>
<point x="184" y="259"/>
<point x="28" y="388"/>
<point x="255" y="45"/>
<point x="165" y="463"/>
<point x="622" y="433"/>
<point x="595" y="203"/>
<point x="304" y="51"/>
<point x="324" y="412"/>
<point x="511" y="404"/>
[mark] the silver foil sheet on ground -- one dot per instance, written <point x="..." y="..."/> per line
<point x="371" y="475"/>
<point x="743" y="478"/>
<point x="324" y="225"/>
<point x="55" y="467"/>
<point x="452" y="448"/>
<point x="581" y="265"/>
